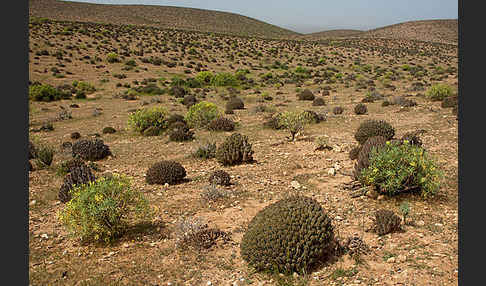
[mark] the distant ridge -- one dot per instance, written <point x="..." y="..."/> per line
<point x="338" y="33"/>
<point x="439" y="31"/>
<point x="158" y="16"/>
<point x="192" y="19"/>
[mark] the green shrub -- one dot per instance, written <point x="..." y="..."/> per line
<point x="224" y="79"/>
<point x="371" y="127"/>
<point x="46" y="92"/>
<point x="112" y="58"/>
<point x="234" y="150"/>
<point x="204" y="77"/>
<point x="294" y="121"/>
<point x="148" y="117"/>
<point x="100" y="211"/>
<point x="200" y="114"/>
<point x="45" y="155"/>
<point x="397" y="166"/>
<point x="292" y="234"/>
<point x="438" y="92"/>
<point x="84" y="87"/>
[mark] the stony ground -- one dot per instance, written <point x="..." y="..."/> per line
<point x="424" y="253"/>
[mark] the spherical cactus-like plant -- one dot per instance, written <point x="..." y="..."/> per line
<point x="386" y="221"/>
<point x="90" y="150"/>
<point x="75" y="135"/>
<point x="108" y="130"/>
<point x="78" y="175"/>
<point x="413" y="137"/>
<point x="221" y="124"/>
<point x="290" y="235"/>
<point x="450" y="101"/>
<point x="32" y="150"/>
<point x="189" y="100"/>
<point x="337" y="110"/>
<point x="180" y="132"/>
<point x="234" y="150"/>
<point x="175" y="118"/>
<point x="235" y="103"/>
<point x="220" y="177"/>
<point x="306" y="94"/>
<point x="169" y="172"/>
<point x="370" y="128"/>
<point x="353" y="153"/>
<point x="360" y="109"/>
<point x="364" y="153"/>
<point x="318" y="101"/>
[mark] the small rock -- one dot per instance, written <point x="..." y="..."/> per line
<point x="209" y="283"/>
<point x="33" y="202"/>
<point x="372" y="194"/>
<point x="381" y="197"/>
<point x="331" y="171"/>
<point x="295" y="275"/>
<point x="295" y="184"/>
<point x="401" y="258"/>
<point x="421" y="223"/>
<point x="391" y="260"/>
<point x="44" y="235"/>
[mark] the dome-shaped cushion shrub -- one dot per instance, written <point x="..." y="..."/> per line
<point x="234" y="150"/>
<point x="370" y="128"/>
<point x="221" y="124"/>
<point x="364" y="153"/>
<point x="90" y="150"/>
<point x="220" y="177"/>
<point x="289" y="235"/>
<point x="169" y="172"/>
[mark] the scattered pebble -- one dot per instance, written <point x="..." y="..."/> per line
<point x="295" y="184"/>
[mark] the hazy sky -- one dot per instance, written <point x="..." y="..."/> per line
<point x="307" y="16"/>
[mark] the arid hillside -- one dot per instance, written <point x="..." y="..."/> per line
<point x="242" y="124"/>
<point x="158" y="16"/>
<point x="440" y="31"/>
